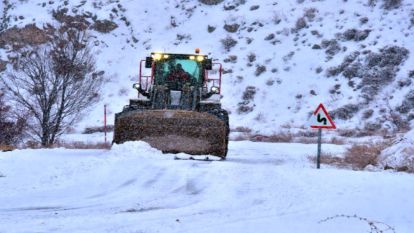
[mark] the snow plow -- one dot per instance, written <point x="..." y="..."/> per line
<point x="178" y="106"/>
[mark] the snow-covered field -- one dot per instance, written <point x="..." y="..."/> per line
<point x="261" y="187"/>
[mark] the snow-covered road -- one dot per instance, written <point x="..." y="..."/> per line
<point x="261" y="187"/>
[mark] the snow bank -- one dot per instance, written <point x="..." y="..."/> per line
<point x="401" y="154"/>
<point x="135" y="148"/>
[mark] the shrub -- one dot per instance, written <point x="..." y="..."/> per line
<point x="211" y="2"/>
<point x="318" y="70"/>
<point x="245" y="105"/>
<point x="233" y="5"/>
<point x="228" y="43"/>
<point x="316" y="46"/>
<point x="231" y="59"/>
<point x="360" y="156"/>
<point x="355" y="35"/>
<point x="332" y="47"/>
<point x="288" y="56"/>
<point x="259" y="70"/>
<point x="231" y="27"/>
<point x="251" y="57"/>
<point x="310" y="13"/>
<point x="271" y="36"/>
<point x="244" y="108"/>
<point x="210" y="29"/>
<point x="345" y="112"/>
<point x="3" y="65"/>
<point x="270" y="82"/>
<point x="391" y="4"/>
<point x="411" y="74"/>
<point x="11" y="127"/>
<point x="367" y="113"/>
<point x="104" y="26"/>
<point x="407" y="104"/>
<point x="249" y="93"/>
<point x="404" y="82"/>
<point x="276" y="18"/>
<point x="300" y="24"/>
<point x="254" y="7"/>
<point x="363" y="20"/>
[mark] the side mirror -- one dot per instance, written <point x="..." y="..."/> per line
<point x="148" y="62"/>
<point x="136" y="86"/>
<point x="208" y="64"/>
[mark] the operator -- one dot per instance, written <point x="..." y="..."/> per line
<point x="178" y="74"/>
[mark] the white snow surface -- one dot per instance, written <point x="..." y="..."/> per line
<point x="261" y="187"/>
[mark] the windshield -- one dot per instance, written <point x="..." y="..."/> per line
<point x="166" y="69"/>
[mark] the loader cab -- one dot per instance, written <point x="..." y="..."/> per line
<point x="177" y="72"/>
<point x="178" y="80"/>
<point x="166" y="68"/>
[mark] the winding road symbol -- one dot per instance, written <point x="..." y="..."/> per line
<point x="322" y="119"/>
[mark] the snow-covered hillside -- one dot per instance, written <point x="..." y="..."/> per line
<point x="262" y="187"/>
<point x="291" y="53"/>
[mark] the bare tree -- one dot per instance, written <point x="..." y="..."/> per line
<point x="55" y="82"/>
<point x="11" y="127"/>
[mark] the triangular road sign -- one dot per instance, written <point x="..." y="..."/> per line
<point x="320" y="119"/>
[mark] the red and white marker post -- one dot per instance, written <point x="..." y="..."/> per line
<point x="320" y="119"/>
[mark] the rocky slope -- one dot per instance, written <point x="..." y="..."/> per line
<point x="281" y="58"/>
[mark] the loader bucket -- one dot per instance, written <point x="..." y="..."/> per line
<point x="174" y="131"/>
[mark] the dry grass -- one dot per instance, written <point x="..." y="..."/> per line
<point x="241" y="129"/>
<point x="336" y="141"/>
<point x="360" y="156"/>
<point x="299" y="137"/>
<point x="82" y="145"/>
<point x="98" y="129"/>
<point x="314" y="140"/>
<point x="280" y="137"/>
<point x="5" y="148"/>
<point x="356" y="157"/>
<point x="330" y="159"/>
<point x="69" y="145"/>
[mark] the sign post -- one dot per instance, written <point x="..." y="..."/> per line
<point x="321" y="120"/>
<point x="318" y="157"/>
<point x="105" y="121"/>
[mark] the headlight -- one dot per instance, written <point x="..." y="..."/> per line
<point x="200" y="58"/>
<point x="192" y="57"/>
<point x="157" y="56"/>
<point x="136" y="86"/>
<point x="215" y="90"/>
